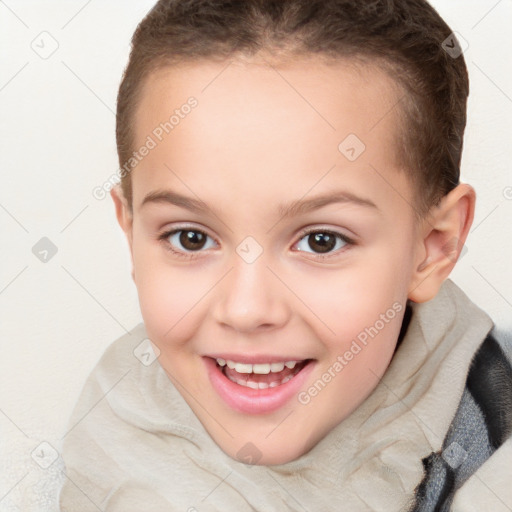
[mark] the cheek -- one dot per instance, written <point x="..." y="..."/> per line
<point x="170" y="298"/>
<point x="364" y="314"/>
<point x="347" y="300"/>
<point x="358" y="313"/>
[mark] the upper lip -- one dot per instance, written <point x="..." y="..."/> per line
<point x="256" y="358"/>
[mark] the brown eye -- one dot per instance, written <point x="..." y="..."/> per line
<point x="192" y="240"/>
<point x="188" y="240"/>
<point x="319" y="242"/>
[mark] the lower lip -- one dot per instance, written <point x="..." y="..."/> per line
<point x="255" y="401"/>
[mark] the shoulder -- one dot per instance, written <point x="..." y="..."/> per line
<point x="490" y="384"/>
<point x="130" y="359"/>
<point x="118" y="381"/>
<point x="124" y="352"/>
<point x="128" y="384"/>
<point x="482" y="425"/>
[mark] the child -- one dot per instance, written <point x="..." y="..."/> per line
<point x="290" y="194"/>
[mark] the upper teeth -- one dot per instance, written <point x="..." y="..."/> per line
<point x="256" y="368"/>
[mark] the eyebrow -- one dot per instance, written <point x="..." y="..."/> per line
<point x="302" y="206"/>
<point x="298" y="207"/>
<point x="170" y="197"/>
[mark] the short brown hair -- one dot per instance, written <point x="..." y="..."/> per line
<point x="405" y="37"/>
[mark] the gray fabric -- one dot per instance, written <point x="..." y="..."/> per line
<point x="467" y="444"/>
<point x="465" y="449"/>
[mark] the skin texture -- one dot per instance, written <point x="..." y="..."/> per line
<point x="263" y="136"/>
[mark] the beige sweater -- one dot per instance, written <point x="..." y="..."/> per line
<point x="135" y="444"/>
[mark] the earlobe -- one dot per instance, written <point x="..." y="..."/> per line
<point x="446" y="228"/>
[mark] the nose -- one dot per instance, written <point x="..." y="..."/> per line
<point x="251" y="298"/>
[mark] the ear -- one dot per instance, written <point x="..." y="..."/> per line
<point x="444" y="232"/>
<point x="124" y="217"/>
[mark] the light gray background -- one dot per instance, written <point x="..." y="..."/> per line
<point x="57" y="143"/>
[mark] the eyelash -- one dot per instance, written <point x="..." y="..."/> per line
<point x="163" y="238"/>
<point x="319" y="256"/>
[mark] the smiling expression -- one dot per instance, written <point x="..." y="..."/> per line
<point x="258" y="239"/>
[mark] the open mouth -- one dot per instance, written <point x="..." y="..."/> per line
<point x="257" y="388"/>
<point x="260" y="376"/>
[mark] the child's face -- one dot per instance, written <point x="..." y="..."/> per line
<point x="258" y="141"/>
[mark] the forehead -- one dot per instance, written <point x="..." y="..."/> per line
<point x="258" y="122"/>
